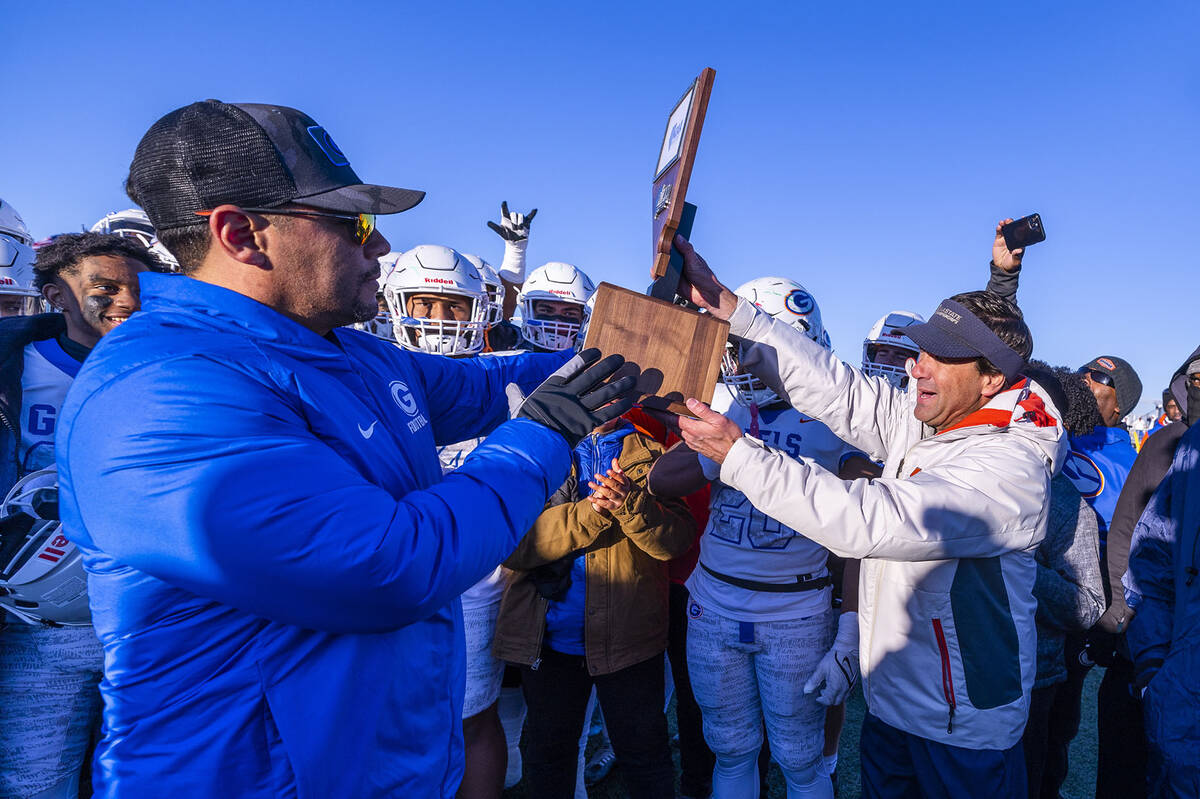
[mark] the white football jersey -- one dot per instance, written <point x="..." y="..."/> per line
<point x="740" y="541"/>
<point x="48" y="373"/>
<point x="491" y="588"/>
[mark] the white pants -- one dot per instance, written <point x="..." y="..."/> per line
<point x="746" y="675"/>
<point x="49" y="707"/>
<point x="484" y="672"/>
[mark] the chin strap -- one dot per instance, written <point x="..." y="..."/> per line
<point x="754" y="419"/>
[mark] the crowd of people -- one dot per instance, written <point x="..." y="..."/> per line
<point x="318" y="518"/>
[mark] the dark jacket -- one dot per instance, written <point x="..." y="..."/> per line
<point x="1069" y="594"/>
<point x="627" y="577"/>
<point x="1163" y="588"/>
<point x="16" y="333"/>
<point x="1145" y="475"/>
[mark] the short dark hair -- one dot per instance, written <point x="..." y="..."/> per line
<point x="189" y="245"/>
<point x="1002" y="317"/>
<point x="64" y="254"/>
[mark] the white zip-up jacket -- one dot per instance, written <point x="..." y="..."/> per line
<point x="946" y="610"/>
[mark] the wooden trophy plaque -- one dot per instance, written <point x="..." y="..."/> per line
<point x="677" y="348"/>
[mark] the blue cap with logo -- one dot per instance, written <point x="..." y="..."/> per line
<point x="955" y="332"/>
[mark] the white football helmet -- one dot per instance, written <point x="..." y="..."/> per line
<point x="787" y="301"/>
<point x="557" y="282"/>
<point x="11" y="224"/>
<point x="889" y="330"/>
<point x="132" y="223"/>
<point x="381" y="325"/>
<point x="41" y="572"/>
<point x="493" y="286"/>
<point x="431" y="269"/>
<point x="16" y="275"/>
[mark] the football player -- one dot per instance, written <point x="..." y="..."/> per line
<point x="440" y="305"/>
<point x="132" y="223"/>
<point x="763" y="643"/>
<point x="381" y="325"/>
<point x="502" y="335"/>
<point x="13" y="226"/>
<point x="18" y="294"/>
<point x="50" y="659"/>
<point x="886" y="349"/>
<point x="554" y="306"/>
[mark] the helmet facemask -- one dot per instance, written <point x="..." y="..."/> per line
<point x="437" y="336"/>
<point x="896" y="375"/>
<point x="748" y="390"/>
<point x="550" y="334"/>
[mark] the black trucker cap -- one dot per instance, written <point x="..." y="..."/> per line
<point x="262" y="156"/>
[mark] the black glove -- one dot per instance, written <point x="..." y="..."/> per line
<point x="513" y="226"/>
<point x="575" y="400"/>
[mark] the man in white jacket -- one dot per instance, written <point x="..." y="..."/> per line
<point x="947" y="535"/>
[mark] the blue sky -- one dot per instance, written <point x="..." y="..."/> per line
<point x="864" y="149"/>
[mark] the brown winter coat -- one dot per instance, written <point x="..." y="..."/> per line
<point x="627" y="581"/>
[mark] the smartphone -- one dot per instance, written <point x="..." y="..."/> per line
<point x="1023" y="232"/>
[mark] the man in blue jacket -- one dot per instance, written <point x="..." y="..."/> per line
<point x="277" y="598"/>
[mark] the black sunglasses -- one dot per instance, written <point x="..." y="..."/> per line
<point x="1098" y="377"/>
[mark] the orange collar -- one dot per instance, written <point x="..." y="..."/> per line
<point x="1035" y="412"/>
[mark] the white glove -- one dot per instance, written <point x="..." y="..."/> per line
<point x="514" y="229"/>
<point x="838" y="670"/>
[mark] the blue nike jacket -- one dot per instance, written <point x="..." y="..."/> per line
<point x="274" y="555"/>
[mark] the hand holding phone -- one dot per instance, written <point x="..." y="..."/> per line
<point x="1025" y="231"/>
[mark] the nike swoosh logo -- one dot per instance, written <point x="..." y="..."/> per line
<point x="370" y="431"/>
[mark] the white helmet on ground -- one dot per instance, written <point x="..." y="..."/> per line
<point x="889" y="332"/>
<point x="132" y="223"/>
<point x="556" y="282"/>
<point x="16" y="277"/>
<point x="41" y="572"/>
<point x="11" y="224"/>
<point x="787" y="301"/>
<point x="493" y="286"/>
<point x="431" y="269"/>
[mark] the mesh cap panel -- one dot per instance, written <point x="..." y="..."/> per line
<point x="200" y="156"/>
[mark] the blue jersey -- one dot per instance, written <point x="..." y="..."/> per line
<point x="1097" y="466"/>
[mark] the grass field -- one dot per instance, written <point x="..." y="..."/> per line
<point x="1081" y="781"/>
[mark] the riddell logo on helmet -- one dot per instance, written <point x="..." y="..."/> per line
<point x="7" y="281"/>
<point x="441" y="280"/>
<point x="560" y="292"/>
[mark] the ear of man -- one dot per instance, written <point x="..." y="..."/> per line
<point x="239" y="235"/>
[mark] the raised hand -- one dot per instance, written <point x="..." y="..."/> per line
<point x="1004" y="258"/>
<point x="513" y="226"/>
<point x="699" y="285"/>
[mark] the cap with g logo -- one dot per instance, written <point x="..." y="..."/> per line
<point x="211" y="153"/>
